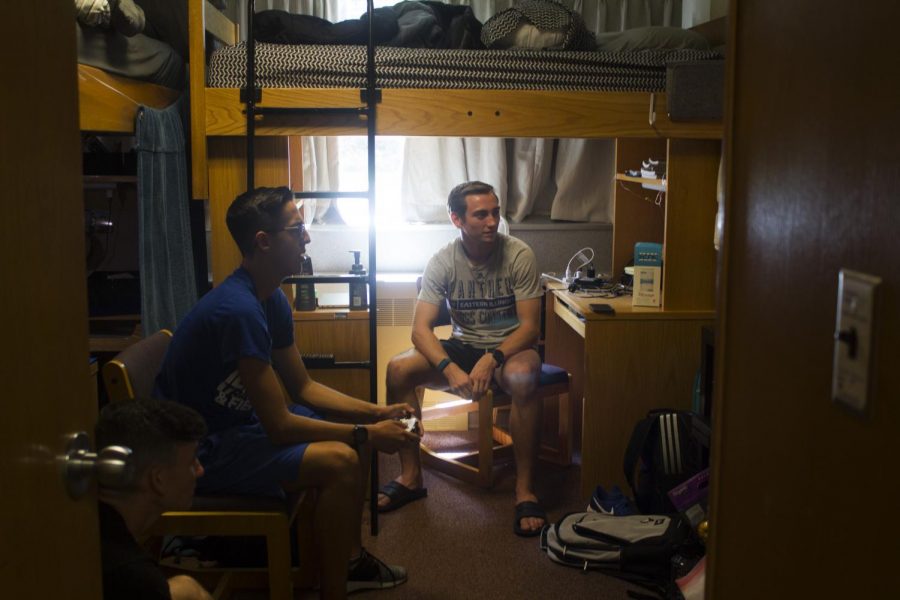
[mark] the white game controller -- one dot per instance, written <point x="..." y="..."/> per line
<point x="411" y="424"/>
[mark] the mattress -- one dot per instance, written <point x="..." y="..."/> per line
<point x="335" y="66"/>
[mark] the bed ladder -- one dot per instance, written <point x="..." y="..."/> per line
<point x="251" y="96"/>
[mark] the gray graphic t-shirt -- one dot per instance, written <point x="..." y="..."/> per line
<point x="482" y="298"/>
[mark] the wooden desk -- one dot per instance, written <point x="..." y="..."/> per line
<point x="622" y="366"/>
<point x="342" y="332"/>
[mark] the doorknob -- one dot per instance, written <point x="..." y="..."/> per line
<point x="112" y="466"/>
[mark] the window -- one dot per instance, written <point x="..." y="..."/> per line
<point x="354" y="9"/>
<point x="353" y="174"/>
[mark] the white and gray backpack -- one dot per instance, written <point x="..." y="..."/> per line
<point x="638" y="548"/>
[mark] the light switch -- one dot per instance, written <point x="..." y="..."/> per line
<point x="853" y="330"/>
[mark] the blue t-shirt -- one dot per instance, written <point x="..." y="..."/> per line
<point x="201" y="365"/>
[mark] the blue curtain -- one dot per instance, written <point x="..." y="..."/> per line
<point x="168" y="287"/>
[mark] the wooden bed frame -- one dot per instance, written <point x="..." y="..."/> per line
<point x="107" y="103"/>
<point x="218" y="112"/>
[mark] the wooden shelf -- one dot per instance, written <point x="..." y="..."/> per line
<point x="110" y="178"/>
<point x="641" y="180"/>
<point x="116" y="318"/>
<point x="330" y="314"/>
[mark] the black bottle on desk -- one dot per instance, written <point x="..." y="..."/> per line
<point x="359" y="295"/>
<point x="305" y="292"/>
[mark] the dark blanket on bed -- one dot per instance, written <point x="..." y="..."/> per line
<point x="140" y="57"/>
<point x="406" y="24"/>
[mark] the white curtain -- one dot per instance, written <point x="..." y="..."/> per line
<point x="569" y="179"/>
<point x="433" y="166"/>
<point x="326" y="9"/>
<point x="320" y="172"/>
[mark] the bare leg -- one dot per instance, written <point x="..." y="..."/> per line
<point x="405" y="373"/>
<point x="519" y="379"/>
<point x="333" y="468"/>
<point x="183" y="587"/>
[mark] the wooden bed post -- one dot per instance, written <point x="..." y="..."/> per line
<point x="202" y="17"/>
<point x="689" y="276"/>
<point x="197" y="74"/>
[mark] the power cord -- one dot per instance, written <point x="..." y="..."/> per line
<point x="585" y="261"/>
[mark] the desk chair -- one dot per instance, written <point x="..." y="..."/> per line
<point x="131" y="374"/>
<point x="495" y="441"/>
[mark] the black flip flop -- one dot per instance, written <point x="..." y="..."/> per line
<point x="399" y="495"/>
<point x="528" y="509"/>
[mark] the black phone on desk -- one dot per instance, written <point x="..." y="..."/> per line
<point x="603" y="309"/>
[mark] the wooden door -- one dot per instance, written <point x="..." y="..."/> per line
<point x="49" y="544"/>
<point x="806" y="493"/>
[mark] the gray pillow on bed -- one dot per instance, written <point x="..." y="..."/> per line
<point x="648" y="38"/>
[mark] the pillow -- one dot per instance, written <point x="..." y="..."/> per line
<point x="529" y="36"/>
<point x="649" y="38"/>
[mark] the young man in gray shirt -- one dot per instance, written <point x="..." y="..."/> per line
<point x="491" y="284"/>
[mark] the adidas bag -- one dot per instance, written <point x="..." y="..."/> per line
<point x="637" y="548"/>
<point x="666" y="448"/>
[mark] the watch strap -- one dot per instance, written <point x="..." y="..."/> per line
<point x="360" y="436"/>
<point x="445" y="362"/>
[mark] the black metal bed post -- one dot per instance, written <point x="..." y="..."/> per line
<point x="373" y="296"/>
<point x="250" y="97"/>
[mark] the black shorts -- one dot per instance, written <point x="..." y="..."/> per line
<point x="464" y="355"/>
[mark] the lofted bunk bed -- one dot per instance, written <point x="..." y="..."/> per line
<point x="636" y="116"/>
<point x="108" y="103"/>
<point x="218" y="121"/>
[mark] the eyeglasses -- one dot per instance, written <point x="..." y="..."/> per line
<point x="295" y="230"/>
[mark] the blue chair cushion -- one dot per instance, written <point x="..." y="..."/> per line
<point x="551" y="374"/>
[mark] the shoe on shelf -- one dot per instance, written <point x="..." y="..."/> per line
<point x="369" y="573"/>
<point x="613" y="502"/>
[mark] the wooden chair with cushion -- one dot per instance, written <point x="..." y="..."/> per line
<point x="494" y="442"/>
<point x="131" y="374"/>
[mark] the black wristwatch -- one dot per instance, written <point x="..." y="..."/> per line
<point x="360" y="436"/>
<point x="498" y="356"/>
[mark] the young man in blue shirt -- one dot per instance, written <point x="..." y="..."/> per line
<point x="229" y="359"/>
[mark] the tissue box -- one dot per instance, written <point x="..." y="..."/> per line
<point x="646" y="286"/>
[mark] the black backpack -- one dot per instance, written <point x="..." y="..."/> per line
<point x="666" y="448"/>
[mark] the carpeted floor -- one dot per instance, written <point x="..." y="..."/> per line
<point x="458" y="542"/>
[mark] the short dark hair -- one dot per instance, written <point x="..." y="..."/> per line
<point x="456" y="202"/>
<point x="257" y="210"/>
<point x="151" y="428"/>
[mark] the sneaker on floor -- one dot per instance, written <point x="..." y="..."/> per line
<point x="613" y="502"/>
<point x="369" y="573"/>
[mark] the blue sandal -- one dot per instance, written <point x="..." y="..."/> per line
<point x="399" y="495"/>
<point x="528" y="509"/>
